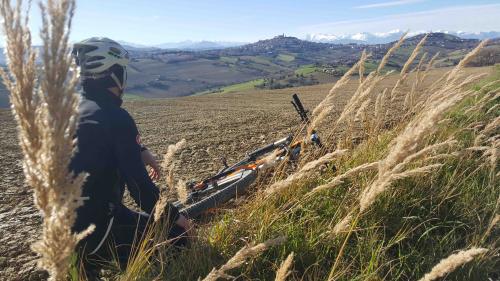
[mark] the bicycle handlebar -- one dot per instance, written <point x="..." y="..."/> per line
<point x="268" y="148"/>
<point x="297" y="104"/>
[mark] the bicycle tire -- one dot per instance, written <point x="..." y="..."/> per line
<point x="220" y="197"/>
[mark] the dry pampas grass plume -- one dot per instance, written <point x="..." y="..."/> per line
<point x="168" y="160"/>
<point x="342" y="225"/>
<point x="340" y="179"/>
<point x="410" y="98"/>
<point x="168" y="166"/>
<point x="358" y="102"/>
<point x="369" y="195"/>
<point x="404" y="71"/>
<point x="449" y="264"/>
<point x="396" y="46"/>
<point x="405" y="147"/>
<point x="304" y="172"/>
<point x="454" y="74"/>
<point x="245" y="253"/>
<point x="47" y="114"/>
<point x="328" y="100"/>
<point x="361" y="70"/>
<point x="270" y="160"/>
<point x="284" y="270"/>
<point x="413" y="55"/>
<point x="428" y="67"/>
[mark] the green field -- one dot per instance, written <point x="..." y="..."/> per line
<point x="286" y="57"/>
<point x="229" y="59"/>
<point x="306" y="69"/>
<point x="245" y="86"/>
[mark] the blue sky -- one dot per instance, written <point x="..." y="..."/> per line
<point x="159" y="21"/>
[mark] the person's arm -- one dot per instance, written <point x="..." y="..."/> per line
<point x="132" y="168"/>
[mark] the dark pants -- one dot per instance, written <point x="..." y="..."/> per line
<point x="127" y="231"/>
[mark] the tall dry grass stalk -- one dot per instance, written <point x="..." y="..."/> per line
<point x="461" y="65"/>
<point x="366" y="86"/>
<point x="359" y="99"/>
<point x="308" y="169"/>
<point x="182" y="191"/>
<point x="488" y="97"/>
<point x="358" y="102"/>
<point x="379" y="112"/>
<point x="240" y="257"/>
<point x="408" y="144"/>
<point x="488" y="141"/>
<point x="420" y="66"/>
<point x="340" y="179"/>
<point x="318" y="119"/>
<point x="361" y="112"/>
<point x="334" y="90"/>
<point x="329" y="99"/>
<point x="343" y="225"/>
<point x="385" y="59"/>
<point x="284" y="270"/>
<point x="410" y="97"/>
<point x="429" y="67"/>
<point x="325" y="107"/>
<point x="413" y="55"/>
<point x="404" y="71"/>
<point x="271" y="160"/>
<point x="362" y="61"/>
<point x="168" y="166"/>
<point x="489" y="131"/>
<point x="449" y="264"/>
<point x="493" y="224"/>
<point x="47" y="116"/>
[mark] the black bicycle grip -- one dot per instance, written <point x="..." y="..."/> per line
<point x="300" y="108"/>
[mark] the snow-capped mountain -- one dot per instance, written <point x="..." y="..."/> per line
<point x="199" y="45"/>
<point x="386" y="37"/>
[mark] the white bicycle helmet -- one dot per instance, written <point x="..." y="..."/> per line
<point x="97" y="55"/>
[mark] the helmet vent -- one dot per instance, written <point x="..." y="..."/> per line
<point x="115" y="50"/>
<point x="93" y="65"/>
<point x="95" y="58"/>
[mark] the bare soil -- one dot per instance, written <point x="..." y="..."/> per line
<point x="214" y="125"/>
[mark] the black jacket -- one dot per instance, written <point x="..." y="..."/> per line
<point x="109" y="151"/>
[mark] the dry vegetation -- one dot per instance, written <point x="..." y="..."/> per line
<point x="408" y="175"/>
<point x="388" y="205"/>
<point x="218" y="117"/>
<point x="46" y="111"/>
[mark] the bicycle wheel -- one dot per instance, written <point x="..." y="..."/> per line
<point x="227" y="189"/>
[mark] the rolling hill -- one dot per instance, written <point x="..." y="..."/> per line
<point x="159" y="73"/>
<point x="179" y="73"/>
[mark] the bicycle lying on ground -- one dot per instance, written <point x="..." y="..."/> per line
<point x="233" y="180"/>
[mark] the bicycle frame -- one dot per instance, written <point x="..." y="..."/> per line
<point x="240" y="175"/>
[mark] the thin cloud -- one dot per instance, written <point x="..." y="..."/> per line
<point x="388" y="4"/>
<point x="469" y="18"/>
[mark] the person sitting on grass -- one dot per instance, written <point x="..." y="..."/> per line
<point x="110" y="151"/>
